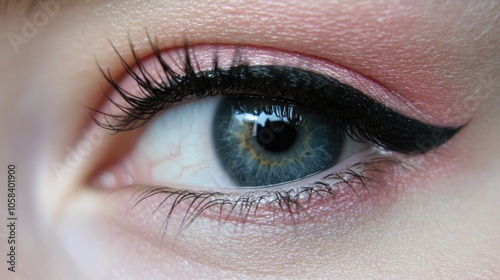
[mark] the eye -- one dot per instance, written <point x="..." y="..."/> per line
<point x="235" y="141"/>
<point x="240" y="117"/>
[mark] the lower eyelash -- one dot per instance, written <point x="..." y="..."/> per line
<point x="360" y="180"/>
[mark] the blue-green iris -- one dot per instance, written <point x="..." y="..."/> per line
<point x="261" y="142"/>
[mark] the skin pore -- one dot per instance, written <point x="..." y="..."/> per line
<point x="439" y="58"/>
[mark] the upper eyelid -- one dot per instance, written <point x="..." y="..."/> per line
<point x="251" y="55"/>
<point x="187" y="61"/>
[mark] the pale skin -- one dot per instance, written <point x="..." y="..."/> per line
<point x="442" y="57"/>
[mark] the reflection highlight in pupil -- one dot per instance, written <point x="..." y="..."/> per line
<point x="263" y="142"/>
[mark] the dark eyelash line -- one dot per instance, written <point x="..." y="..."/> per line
<point x="364" y="119"/>
<point x="245" y="205"/>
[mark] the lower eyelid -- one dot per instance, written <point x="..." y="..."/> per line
<point x="328" y="198"/>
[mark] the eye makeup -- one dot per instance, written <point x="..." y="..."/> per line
<point x="195" y="72"/>
<point x="184" y="79"/>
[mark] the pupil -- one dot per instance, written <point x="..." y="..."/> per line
<point x="276" y="136"/>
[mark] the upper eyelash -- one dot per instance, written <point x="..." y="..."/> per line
<point x="365" y="120"/>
